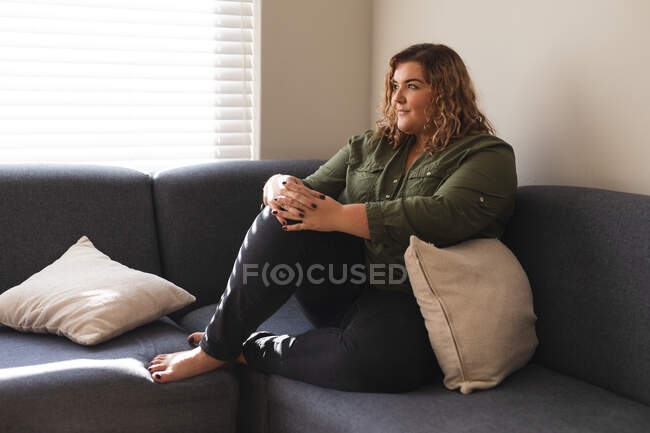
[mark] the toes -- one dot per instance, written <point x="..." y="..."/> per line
<point x="160" y="377"/>
<point x="157" y="367"/>
<point x="159" y="358"/>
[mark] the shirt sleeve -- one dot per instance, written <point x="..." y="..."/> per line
<point x="330" y="177"/>
<point x="476" y="195"/>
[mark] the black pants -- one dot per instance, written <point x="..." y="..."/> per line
<point x="364" y="339"/>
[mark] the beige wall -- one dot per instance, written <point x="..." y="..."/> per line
<point x="566" y="83"/>
<point x="315" y="69"/>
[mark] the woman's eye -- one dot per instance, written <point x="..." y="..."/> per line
<point x="410" y="86"/>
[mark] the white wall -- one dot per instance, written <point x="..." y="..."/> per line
<point x="315" y="76"/>
<point x="564" y="82"/>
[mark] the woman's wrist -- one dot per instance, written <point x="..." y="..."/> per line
<point x="352" y="219"/>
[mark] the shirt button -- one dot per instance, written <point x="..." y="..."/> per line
<point x="394" y="180"/>
<point x="387" y="195"/>
<point x="481" y="199"/>
<point x="428" y="173"/>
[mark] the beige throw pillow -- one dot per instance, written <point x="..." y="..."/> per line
<point x="477" y="306"/>
<point x="89" y="298"/>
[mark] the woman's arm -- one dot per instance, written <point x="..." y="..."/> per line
<point x="328" y="215"/>
<point x="479" y="194"/>
<point x="353" y="220"/>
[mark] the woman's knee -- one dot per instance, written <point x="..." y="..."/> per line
<point x="266" y="224"/>
<point x="266" y="233"/>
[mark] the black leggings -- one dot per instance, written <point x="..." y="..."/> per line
<point x="364" y="339"/>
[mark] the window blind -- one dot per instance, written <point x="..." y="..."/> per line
<point x="142" y="83"/>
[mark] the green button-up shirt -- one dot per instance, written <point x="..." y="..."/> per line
<point x="466" y="191"/>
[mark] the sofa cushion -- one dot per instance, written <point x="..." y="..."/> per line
<point x="49" y="381"/>
<point x="45" y="208"/>
<point x="203" y="214"/>
<point x="533" y="399"/>
<point x="478" y="309"/>
<point x="89" y="298"/>
<point x="587" y="256"/>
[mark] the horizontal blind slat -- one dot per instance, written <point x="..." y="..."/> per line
<point x="72" y="27"/>
<point x="122" y="98"/>
<point x="16" y="142"/>
<point x="119" y="15"/>
<point x="124" y="112"/>
<point x="121" y="43"/>
<point x="153" y="72"/>
<point x="124" y="85"/>
<point x="99" y="153"/>
<point x="85" y="56"/>
<point x="135" y="126"/>
<point x="236" y="7"/>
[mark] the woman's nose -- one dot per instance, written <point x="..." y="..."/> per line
<point x="398" y="96"/>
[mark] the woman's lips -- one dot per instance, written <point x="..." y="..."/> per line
<point x="402" y="112"/>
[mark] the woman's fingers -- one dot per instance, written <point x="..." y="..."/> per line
<point x="275" y="210"/>
<point x="308" y="198"/>
<point x="289" y="204"/>
<point x="288" y="212"/>
<point x="295" y="227"/>
<point x="292" y="179"/>
<point x="300" y="187"/>
<point x="281" y="220"/>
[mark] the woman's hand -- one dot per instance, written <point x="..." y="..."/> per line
<point x="325" y="217"/>
<point x="285" y="203"/>
<point x="290" y="199"/>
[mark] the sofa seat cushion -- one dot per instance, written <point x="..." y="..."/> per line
<point x="533" y="399"/>
<point x="47" y="380"/>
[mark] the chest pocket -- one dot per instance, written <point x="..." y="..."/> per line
<point x="363" y="182"/>
<point x="424" y="180"/>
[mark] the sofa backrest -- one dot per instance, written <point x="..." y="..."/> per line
<point x="587" y="255"/>
<point x="203" y="214"/>
<point x="45" y="209"/>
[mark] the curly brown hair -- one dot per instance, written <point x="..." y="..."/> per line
<point x="453" y="112"/>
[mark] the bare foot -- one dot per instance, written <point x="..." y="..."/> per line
<point x="195" y="338"/>
<point x="171" y="367"/>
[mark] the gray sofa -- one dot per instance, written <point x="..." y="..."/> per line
<point x="586" y="253"/>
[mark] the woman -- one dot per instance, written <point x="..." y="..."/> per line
<point x="432" y="169"/>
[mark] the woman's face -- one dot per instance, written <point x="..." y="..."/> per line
<point x="411" y="96"/>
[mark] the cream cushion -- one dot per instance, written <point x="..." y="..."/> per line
<point x="89" y="298"/>
<point x="477" y="306"/>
